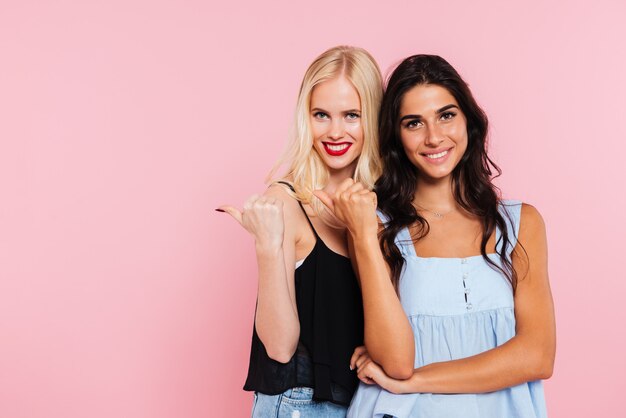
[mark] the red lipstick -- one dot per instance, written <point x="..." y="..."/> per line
<point x="340" y="148"/>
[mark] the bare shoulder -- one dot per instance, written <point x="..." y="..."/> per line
<point x="531" y="221"/>
<point x="531" y="252"/>
<point x="295" y="223"/>
<point x="281" y="192"/>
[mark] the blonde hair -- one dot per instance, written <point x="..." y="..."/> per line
<point x="306" y="167"/>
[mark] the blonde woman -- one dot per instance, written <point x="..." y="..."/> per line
<point x="309" y="315"/>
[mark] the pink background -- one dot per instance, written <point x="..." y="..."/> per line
<point x="123" y="124"/>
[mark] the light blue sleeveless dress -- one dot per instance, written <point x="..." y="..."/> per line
<point x="457" y="307"/>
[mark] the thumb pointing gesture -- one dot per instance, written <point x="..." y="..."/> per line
<point x="261" y="216"/>
<point x="232" y="211"/>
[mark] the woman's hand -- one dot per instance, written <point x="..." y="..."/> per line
<point x="371" y="373"/>
<point x="272" y="220"/>
<point x="353" y="205"/>
<point x="262" y="216"/>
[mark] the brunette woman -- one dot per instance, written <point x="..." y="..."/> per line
<point x="470" y="269"/>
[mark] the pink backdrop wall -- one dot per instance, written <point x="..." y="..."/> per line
<point x="123" y="124"/>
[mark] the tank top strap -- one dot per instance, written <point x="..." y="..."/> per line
<point x="301" y="207"/>
<point x="511" y="211"/>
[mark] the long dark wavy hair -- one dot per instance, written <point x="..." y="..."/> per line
<point x="471" y="179"/>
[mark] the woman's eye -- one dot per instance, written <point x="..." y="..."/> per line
<point x="320" y="115"/>
<point x="352" y="116"/>
<point x="413" y="124"/>
<point x="447" y="115"/>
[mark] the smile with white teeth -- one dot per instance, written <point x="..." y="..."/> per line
<point x="438" y="155"/>
<point x="337" y="148"/>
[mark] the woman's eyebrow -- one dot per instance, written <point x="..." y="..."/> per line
<point x="410" y="117"/>
<point x="450" y="106"/>
<point x="439" y="111"/>
<point x="318" y="109"/>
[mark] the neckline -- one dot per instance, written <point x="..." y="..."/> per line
<point x="451" y="258"/>
<point x="413" y="253"/>
<point x="503" y="205"/>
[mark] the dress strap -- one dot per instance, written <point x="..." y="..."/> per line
<point x="301" y="207"/>
<point x="403" y="239"/>
<point x="384" y="218"/>
<point x="511" y="211"/>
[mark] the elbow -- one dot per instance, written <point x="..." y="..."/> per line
<point x="537" y="357"/>
<point x="282" y="358"/>
<point x="542" y="366"/>
<point x="545" y="369"/>
<point x="396" y="365"/>
<point x="281" y="351"/>
<point x="280" y="354"/>
<point x="279" y="347"/>
<point x="399" y="370"/>
<point x="401" y="373"/>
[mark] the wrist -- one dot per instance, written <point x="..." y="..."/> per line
<point x="268" y="248"/>
<point x="364" y="238"/>
<point x="397" y="387"/>
<point x="392" y="385"/>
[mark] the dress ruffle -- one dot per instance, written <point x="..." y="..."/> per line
<point x="443" y="338"/>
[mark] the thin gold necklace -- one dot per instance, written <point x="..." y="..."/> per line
<point x="438" y="215"/>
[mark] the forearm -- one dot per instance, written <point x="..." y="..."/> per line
<point x="388" y="334"/>
<point x="510" y="364"/>
<point x="276" y="321"/>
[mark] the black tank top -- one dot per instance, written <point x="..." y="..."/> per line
<point x="330" y="311"/>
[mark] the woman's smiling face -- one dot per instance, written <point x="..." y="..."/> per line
<point x="336" y="123"/>
<point x="433" y="130"/>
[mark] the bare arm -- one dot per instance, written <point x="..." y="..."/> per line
<point x="528" y="356"/>
<point x="388" y="334"/>
<point x="270" y="219"/>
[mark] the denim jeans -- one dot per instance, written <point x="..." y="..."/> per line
<point x="295" y="403"/>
